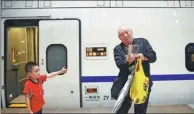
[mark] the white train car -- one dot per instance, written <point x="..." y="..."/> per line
<point x="81" y="35"/>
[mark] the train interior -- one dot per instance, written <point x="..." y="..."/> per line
<point x="22" y="47"/>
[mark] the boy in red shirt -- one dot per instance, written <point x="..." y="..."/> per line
<point x="33" y="87"/>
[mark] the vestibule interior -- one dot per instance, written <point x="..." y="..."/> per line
<point x="22" y="47"/>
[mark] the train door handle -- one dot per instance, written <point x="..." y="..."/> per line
<point x="42" y="61"/>
<point x="15" y="67"/>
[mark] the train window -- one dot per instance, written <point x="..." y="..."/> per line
<point x="56" y="57"/>
<point x="189" y="57"/>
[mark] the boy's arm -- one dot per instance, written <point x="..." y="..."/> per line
<point x="53" y="74"/>
<point x="27" y="99"/>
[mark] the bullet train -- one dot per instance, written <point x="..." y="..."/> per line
<point x="81" y="35"/>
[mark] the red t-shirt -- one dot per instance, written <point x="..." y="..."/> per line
<point x="35" y="91"/>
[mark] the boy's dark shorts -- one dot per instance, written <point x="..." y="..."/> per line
<point x="39" y="112"/>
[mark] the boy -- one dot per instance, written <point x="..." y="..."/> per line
<point x="33" y="87"/>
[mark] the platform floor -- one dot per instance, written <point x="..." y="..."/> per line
<point x="19" y="99"/>
<point x="151" y="109"/>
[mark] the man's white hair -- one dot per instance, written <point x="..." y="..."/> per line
<point x="124" y="27"/>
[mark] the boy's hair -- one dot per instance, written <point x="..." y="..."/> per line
<point x="29" y="66"/>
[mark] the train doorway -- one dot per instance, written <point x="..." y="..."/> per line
<point x="49" y="43"/>
<point x="22" y="46"/>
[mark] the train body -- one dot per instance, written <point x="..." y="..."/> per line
<point x="81" y="35"/>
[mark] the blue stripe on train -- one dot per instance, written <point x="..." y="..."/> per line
<point x="164" y="77"/>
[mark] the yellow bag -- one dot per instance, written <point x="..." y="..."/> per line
<point x="140" y="84"/>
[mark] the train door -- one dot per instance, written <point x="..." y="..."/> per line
<point x="20" y="47"/>
<point x="59" y="46"/>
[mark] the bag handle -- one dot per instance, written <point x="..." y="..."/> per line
<point x="138" y="64"/>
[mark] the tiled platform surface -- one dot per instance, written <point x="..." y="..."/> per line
<point x="151" y="109"/>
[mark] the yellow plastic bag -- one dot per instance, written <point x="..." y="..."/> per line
<point x="140" y="84"/>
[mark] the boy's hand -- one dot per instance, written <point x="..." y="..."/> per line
<point x="63" y="70"/>
<point x="30" y="112"/>
<point x="53" y="74"/>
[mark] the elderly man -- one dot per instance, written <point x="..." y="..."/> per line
<point x="145" y="52"/>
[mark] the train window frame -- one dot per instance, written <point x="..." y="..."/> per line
<point x="47" y="56"/>
<point x="188" y="62"/>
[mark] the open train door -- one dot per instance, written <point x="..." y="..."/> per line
<point x="59" y="45"/>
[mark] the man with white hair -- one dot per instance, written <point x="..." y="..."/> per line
<point x="145" y="52"/>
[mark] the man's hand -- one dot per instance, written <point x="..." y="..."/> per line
<point x="141" y="56"/>
<point x="131" y="58"/>
<point x="63" y="70"/>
